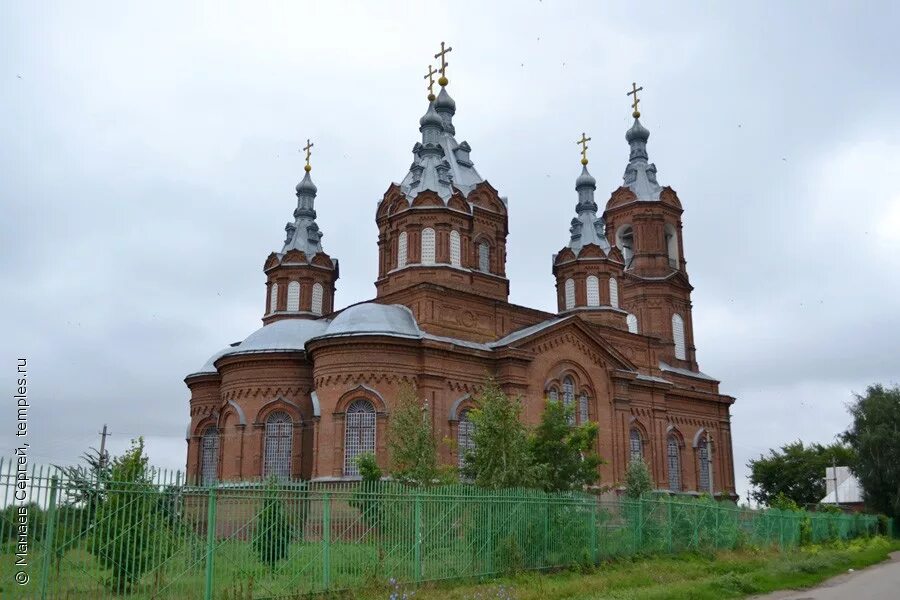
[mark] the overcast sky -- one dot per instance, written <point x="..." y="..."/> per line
<point x="149" y="155"/>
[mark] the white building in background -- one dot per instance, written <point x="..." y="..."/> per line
<point x="842" y="488"/>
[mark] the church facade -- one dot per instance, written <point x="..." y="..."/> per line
<point x="313" y="388"/>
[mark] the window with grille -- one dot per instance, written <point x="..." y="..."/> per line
<point x="637" y="444"/>
<point x="583" y="408"/>
<point x="704" y="476"/>
<point x="279" y="440"/>
<point x="673" y="453"/>
<point x="613" y="292"/>
<point x="209" y="456"/>
<point x="569" y="399"/>
<point x="593" y="291"/>
<point x="293" y="296"/>
<point x="428" y="246"/>
<point x="570" y="294"/>
<point x="678" y="337"/>
<point x="553" y="395"/>
<point x="273" y="298"/>
<point x="317" y="293"/>
<point x="359" y="434"/>
<point x="632" y="323"/>
<point x="401" y="250"/>
<point x="455" y="252"/>
<point x="484" y="256"/>
<point x="465" y="440"/>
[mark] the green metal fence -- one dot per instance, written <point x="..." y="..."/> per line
<point x="165" y="539"/>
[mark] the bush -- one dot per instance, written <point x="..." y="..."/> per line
<point x="274" y="531"/>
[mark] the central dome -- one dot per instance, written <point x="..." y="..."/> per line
<point x="373" y="319"/>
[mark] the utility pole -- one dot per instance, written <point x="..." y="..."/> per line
<point x="834" y="478"/>
<point x="103" y="435"/>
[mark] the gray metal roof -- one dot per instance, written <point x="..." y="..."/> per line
<point x="440" y="163"/>
<point x="587" y="228"/>
<point x="369" y="318"/>
<point x="698" y="374"/>
<point x="304" y="234"/>
<point x="525" y="332"/>
<point x="640" y="175"/>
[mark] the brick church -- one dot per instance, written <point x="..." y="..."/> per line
<point x="312" y="389"/>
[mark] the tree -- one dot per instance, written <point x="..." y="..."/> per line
<point x="501" y="456"/>
<point x="875" y="436"/>
<point x="563" y="453"/>
<point x="413" y="449"/>
<point x="796" y="471"/>
<point x="273" y="533"/>
<point x="637" y="479"/>
<point x="131" y="533"/>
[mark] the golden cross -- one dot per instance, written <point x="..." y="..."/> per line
<point x="583" y="141"/>
<point x="443" y="56"/>
<point x="634" y="105"/>
<point x="430" y="78"/>
<point x="307" y="148"/>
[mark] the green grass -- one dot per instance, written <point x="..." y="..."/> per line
<point x="689" y="576"/>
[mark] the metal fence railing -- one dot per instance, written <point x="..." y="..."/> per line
<point x="81" y="538"/>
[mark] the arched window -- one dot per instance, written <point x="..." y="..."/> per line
<point x="570" y="294"/>
<point x="704" y="465"/>
<point x="593" y="291"/>
<point x="455" y="252"/>
<point x="632" y="323"/>
<point x="428" y="246"/>
<point x="279" y="439"/>
<point x="672" y="245"/>
<point x="636" y="446"/>
<point x="553" y="395"/>
<point x="613" y="292"/>
<point x="569" y="398"/>
<point x="484" y="256"/>
<point x="317" y="292"/>
<point x="293" y="296"/>
<point x="678" y="337"/>
<point x="401" y="250"/>
<point x="273" y="298"/>
<point x="465" y="440"/>
<point x="359" y="434"/>
<point x="209" y="456"/>
<point x="583" y="408"/>
<point x="625" y="242"/>
<point x="673" y="454"/>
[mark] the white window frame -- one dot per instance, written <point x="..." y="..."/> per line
<point x="273" y="297"/>
<point x="402" y="250"/>
<point x="293" y="296"/>
<point x="570" y="293"/>
<point x="593" y="290"/>
<point x="278" y="445"/>
<point x="428" y="246"/>
<point x="484" y="256"/>
<point x="613" y="292"/>
<point x="209" y="456"/>
<point x="455" y="249"/>
<point x="678" y="337"/>
<point x="465" y="439"/>
<point x="318" y="295"/>
<point x="632" y="322"/>
<point x="359" y="434"/>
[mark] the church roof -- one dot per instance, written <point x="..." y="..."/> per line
<point x="440" y="163"/>
<point x="587" y="228"/>
<point x="303" y="233"/>
<point x="369" y="318"/>
<point x="640" y="174"/>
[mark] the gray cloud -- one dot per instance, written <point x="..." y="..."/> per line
<point x="150" y="154"/>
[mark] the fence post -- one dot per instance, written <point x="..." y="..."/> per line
<point x="671" y="525"/>
<point x="595" y="549"/>
<point x="326" y="541"/>
<point x="418" y="541"/>
<point x="546" y="531"/>
<point x="210" y="542"/>
<point x="716" y="530"/>
<point x="490" y="540"/>
<point x="49" y="537"/>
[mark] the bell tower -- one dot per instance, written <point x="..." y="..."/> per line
<point x="643" y="220"/>
<point x="300" y="279"/>
<point x="588" y="270"/>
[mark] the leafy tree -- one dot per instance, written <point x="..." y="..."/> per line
<point x="368" y="467"/>
<point x="875" y="436"/>
<point x="796" y="471"/>
<point x="273" y="533"/>
<point x="501" y="457"/>
<point x="563" y="453"/>
<point x="637" y="479"/>
<point x="130" y="533"/>
<point x="413" y="449"/>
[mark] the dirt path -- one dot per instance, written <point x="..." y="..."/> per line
<point x="879" y="582"/>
